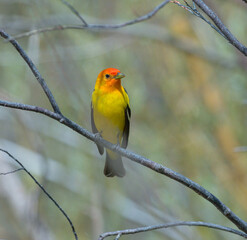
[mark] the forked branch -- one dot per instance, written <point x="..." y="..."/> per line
<point x="241" y="224"/>
<point x="120" y="233"/>
<point x="229" y="36"/>
<point x="86" y="25"/>
<point x="219" y="25"/>
<point x="34" y="70"/>
<point x="22" y="167"/>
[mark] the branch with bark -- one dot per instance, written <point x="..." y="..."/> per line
<point x="56" y="114"/>
<point x="120" y="233"/>
<point x="22" y="167"/>
<point x="228" y="35"/>
<point x="217" y="24"/>
<point x="11" y="172"/>
<point x="86" y="25"/>
<point x="158" y="168"/>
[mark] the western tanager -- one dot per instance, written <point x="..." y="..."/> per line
<point x="110" y="117"/>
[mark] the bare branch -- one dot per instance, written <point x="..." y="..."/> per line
<point x="14" y="171"/>
<point x="229" y="36"/>
<point x="132" y="156"/>
<point x="118" y="236"/>
<point x="139" y="159"/>
<point x="43" y="189"/>
<point x="34" y="70"/>
<point x="74" y="11"/>
<point x="47" y="29"/>
<point x="194" y="11"/>
<point x="168" y="225"/>
<point x="31" y="108"/>
<point x="96" y="26"/>
<point x="219" y="26"/>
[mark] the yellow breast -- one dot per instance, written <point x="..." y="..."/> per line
<point x="109" y="113"/>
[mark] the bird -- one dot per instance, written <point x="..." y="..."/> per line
<point x="110" y="117"/>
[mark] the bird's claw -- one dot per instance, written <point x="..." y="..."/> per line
<point x="98" y="135"/>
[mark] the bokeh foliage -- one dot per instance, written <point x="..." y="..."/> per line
<point x="187" y="88"/>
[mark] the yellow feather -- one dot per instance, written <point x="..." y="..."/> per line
<point x="109" y="104"/>
<point x="109" y="113"/>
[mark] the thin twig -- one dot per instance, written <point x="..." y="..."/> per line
<point x="96" y="26"/>
<point x="31" y="108"/>
<point x="47" y="29"/>
<point x="219" y="26"/>
<point x="196" y="13"/>
<point x="136" y="158"/>
<point x="118" y="236"/>
<point x="229" y="36"/>
<point x="188" y="8"/>
<point x="34" y="70"/>
<point x="46" y="193"/>
<point x="14" y="171"/>
<point x="168" y="225"/>
<point x="74" y="11"/>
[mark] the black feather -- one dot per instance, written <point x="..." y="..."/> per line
<point x="126" y="127"/>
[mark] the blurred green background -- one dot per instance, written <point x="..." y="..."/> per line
<point x="187" y="87"/>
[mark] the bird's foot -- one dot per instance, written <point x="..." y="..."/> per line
<point x="98" y="135"/>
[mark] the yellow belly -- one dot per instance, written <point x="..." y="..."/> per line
<point x="109" y="115"/>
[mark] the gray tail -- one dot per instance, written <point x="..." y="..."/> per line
<point x="114" y="165"/>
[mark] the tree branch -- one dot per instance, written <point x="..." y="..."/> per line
<point x="48" y="29"/>
<point x="31" y="108"/>
<point x="136" y="158"/>
<point x="168" y="225"/>
<point x="194" y="11"/>
<point x="219" y="26"/>
<point x="95" y="26"/>
<point x="34" y="70"/>
<point x="75" y="12"/>
<point x="131" y="155"/>
<point x="43" y="189"/>
<point x="14" y="171"/>
<point x="229" y="36"/>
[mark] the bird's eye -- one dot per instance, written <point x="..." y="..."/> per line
<point x="107" y="75"/>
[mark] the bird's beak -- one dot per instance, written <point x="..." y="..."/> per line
<point x="119" y="76"/>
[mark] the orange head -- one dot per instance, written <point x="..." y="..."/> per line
<point x="109" y="78"/>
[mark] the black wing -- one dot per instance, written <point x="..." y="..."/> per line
<point x="126" y="127"/>
<point x="94" y="129"/>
